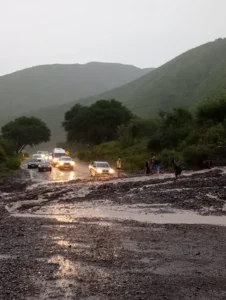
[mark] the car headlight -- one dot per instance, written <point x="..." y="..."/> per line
<point x="50" y="157"/>
<point x="72" y="163"/>
<point x="43" y="155"/>
<point x="55" y="159"/>
<point x="61" y="163"/>
<point x="99" y="170"/>
<point x="111" y="171"/>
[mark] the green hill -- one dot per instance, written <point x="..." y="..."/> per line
<point x="191" y="77"/>
<point x="53" y="85"/>
<point x="185" y="80"/>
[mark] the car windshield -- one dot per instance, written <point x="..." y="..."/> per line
<point x="43" y="152"/>
<point x="102" y="165"/>
<point x="37" y="156"/>
<point x="58" y="154"/>
<point x="65" y="159"/>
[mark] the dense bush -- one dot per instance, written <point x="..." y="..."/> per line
<point x="13" y="163"/>
<point x="189" y="138"/>
<point x="9" y="160"/>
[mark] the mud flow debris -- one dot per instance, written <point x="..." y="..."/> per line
<point x="133" y="238"/>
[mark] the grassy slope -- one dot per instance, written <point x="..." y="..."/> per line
<point x="185" y="80"/>
<point x="190" y="77"/>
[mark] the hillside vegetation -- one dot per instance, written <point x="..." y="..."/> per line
<point x="187" y="79"/>
<point x="184" y="81"/>
<point x="193" y="139"/>
<point x="53" y="85"/>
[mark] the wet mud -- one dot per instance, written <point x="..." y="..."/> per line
<point x="91" y="240"/>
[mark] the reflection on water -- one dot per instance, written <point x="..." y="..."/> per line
<point x="160" y="214"/>
<point x="66" y="267"/>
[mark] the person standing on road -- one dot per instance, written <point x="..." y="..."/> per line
<point x="119" y="166"/>
<point x="152" y="163"/>
<point x="157" y="166"/>
<point x="147" y="168"/>
<point x="177" y="169"/>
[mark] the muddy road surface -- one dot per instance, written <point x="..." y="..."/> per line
<point x="65" y="237"/>
<point x="80" y="171"/>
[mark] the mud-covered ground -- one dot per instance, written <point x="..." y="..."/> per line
<point x="94" y="240"/>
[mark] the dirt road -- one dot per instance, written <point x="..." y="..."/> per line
<point x="133" y="238"/>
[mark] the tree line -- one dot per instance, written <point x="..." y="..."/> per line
<point x="107" y="129"/>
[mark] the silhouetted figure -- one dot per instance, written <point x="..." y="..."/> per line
<point x="147" y="168"/>
<point x="177" y="169"/>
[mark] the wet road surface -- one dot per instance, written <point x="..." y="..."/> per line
<point x="80" y="171"/>
<point x="133" y="238"/>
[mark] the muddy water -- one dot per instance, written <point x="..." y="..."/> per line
<point x="158" y="213"/>
<point x="105" y="209"/>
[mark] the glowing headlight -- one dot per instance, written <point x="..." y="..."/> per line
<point x="111" y="171"/>
<point x="99" y="170"/>
<point x="55" y="159"/>
<point x="72" y="163"/>
<point x="50" y="157"/>
<point x="43" y="155"/>
<point x="61" y="163"/>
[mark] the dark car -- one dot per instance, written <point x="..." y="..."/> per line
<point x="65" y="162"/>
<point x="44" y="165"/>
<point x="32" y="163"/>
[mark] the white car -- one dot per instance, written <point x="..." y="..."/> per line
<point x="65" y="162"/>
<point x="56" y="155"/>
<point x="44" y="154"/>
<point x="100" y="168"/>
<point x="37" y="156"/>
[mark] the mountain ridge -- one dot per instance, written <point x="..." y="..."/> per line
<point x="51" y="85"/>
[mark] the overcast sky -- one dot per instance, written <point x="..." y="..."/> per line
<point x="145" y="33"/>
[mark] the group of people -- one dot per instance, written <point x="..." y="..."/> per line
<point x="153" y="166"/>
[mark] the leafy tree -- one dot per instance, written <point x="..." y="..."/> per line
<point x="174" y="128"/>
<point x="97" y="123"/>
<point x="214" y="110"/>
<point x="26" y="131"/>
<point x="136" y="129"/>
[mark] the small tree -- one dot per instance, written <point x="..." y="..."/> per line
<point x="26" y="131"/>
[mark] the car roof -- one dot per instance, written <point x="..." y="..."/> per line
<point x="65" y="157"/>
<point x="97" y="161"/>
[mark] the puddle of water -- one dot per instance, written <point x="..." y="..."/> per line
<point x="16" y="205"/>
<point x="147" y="213"/>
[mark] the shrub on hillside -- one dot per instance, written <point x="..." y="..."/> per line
<point x="13" y="163"/>
<point x="194" y="156"/>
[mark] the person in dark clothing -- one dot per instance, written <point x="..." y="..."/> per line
<point x="152" y="164"/>
<point x="177" y="169"/>
<point x="147" y="168"/>
<point x="157" y="166"/>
